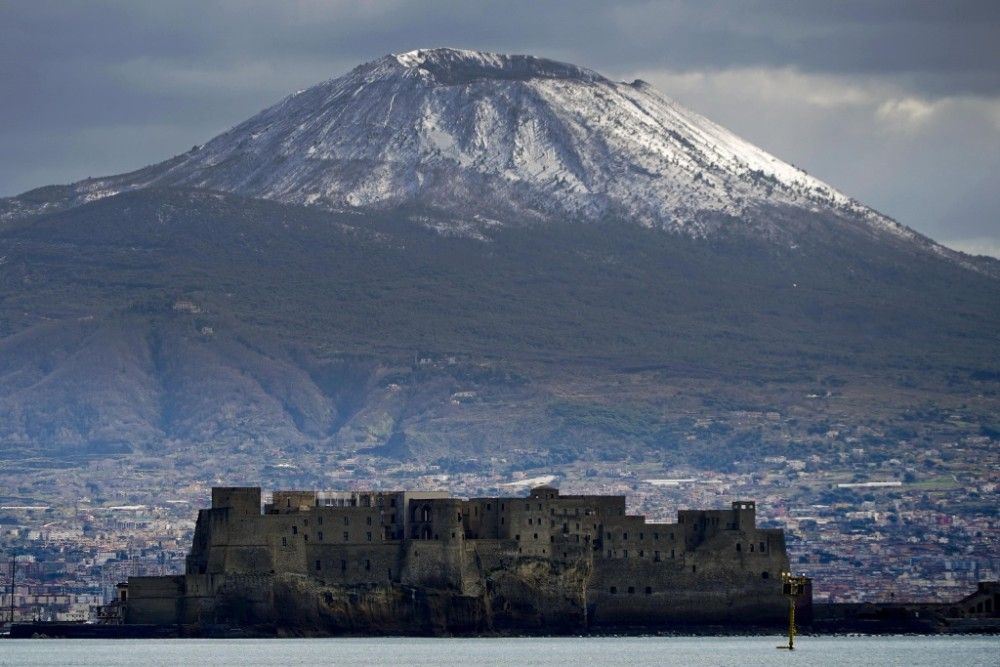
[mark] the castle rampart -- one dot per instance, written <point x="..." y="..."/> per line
<point x="435" y="563"/>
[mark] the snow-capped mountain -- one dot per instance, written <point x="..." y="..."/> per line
<point x="506" y="136"/>
<point x="279" y="285"/>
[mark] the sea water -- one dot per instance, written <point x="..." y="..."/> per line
<point x="575" y="651"/>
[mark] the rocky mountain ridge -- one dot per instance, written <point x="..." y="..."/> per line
<point x="483" y="139"/>
<point x="446" y="254"/>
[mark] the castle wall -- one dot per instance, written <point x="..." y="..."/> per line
<point x="154" y="600"/>
<point x="544" y="560"/>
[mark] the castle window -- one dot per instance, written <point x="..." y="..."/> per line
<point x="284" y="541"/>
<point x="319" y="520"/>
<point x="518" y="537"/>
<point x="305" y="537"/>
<point x="738" y="547"/>
<point x="610" y="553"/>
<point x="503" y="506"/>
<point x="656" y="536"/>
<point x="347" y="521"/>
<point x="751" y="548"/>
<point x="452" y="534"/>
<point x="346" y="536"/>
<point x="295" y="530"/>
<point x="319" y="565"/>
<point x="656" y="556"/>
<point x="765" y="575"/>
<point x="392" y="502"/>
<point x="631" y="590"/>
<point x="614" y="589"/>
<point x="609" y="535"/>
<point x="642" y="554"/>
<point x="305" y="522"/>
<point x="624" y="553"/>
<point x="552" y="538"/>
<point x="501" y="521"/>
<point x="694" y="568"/>
<point x="649" y="590"/>
<point x="368" y="520"/>
<point x="369" y="536"/>
<point x="762" y="546"/>
<point x="671" y="553"/>
<point x="489" y="506"/>
<point x="343" y="566"/>
<point x="319" y="536"/>
<point x="529" y="522"/>
<point x="641" y="536"/>
<point x="536" y="536"/>
<point x="624" y="536"/>
<point x="368" y="566"/>
<point x="527" y="506"/>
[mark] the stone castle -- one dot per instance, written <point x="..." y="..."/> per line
<point x="422" y="562"/>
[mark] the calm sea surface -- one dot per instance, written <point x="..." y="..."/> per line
<point x="578" y="652"/>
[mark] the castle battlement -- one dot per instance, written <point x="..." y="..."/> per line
<point x="594" y="560"/>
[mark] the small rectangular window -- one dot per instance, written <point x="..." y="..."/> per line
<point x="319" y="536"/>
<point x="284" y="541"/>
<point x="343" y="566"/>
<point x="318" y="565"/>
<point x="369" y="535"/>
<point x="368" y="566"/>
<point x="346" y="536"/>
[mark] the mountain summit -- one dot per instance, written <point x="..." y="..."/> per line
<point x="451" y="255"/>
<point x="513" y="138"/>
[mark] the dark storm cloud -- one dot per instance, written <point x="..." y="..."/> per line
<point x="100" y="87"/>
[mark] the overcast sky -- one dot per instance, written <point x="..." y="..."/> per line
<point x="894" y="103"/>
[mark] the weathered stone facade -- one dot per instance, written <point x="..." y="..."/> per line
<point x="388" y="562"/>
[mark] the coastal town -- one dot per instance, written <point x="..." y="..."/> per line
<point x="866" y="526"/>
